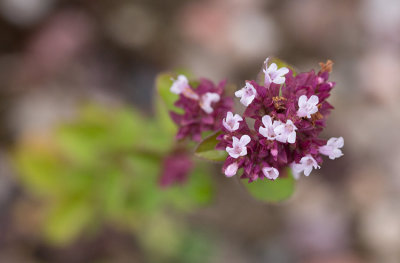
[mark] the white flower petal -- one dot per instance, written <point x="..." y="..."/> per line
<point x="207" y="99"/>
<point x="267" y="121"/>
<point x="179" y="84"/>
<point x="307" y="170"/>
<point x="239" y="93"/>
<point x="313" y="100"/>
<point x="235" y="140"/>
<point x="282" y="71"/>
<point x="337" y="142"/>
<point x="302" y="101"/>
<point x="292" y="137"/>
<point x="244" y="151"/>
<point x="231" y="151"/>
<point x="246" y="101"/>
<point x="273" y="67"/>
<point x="244" y="140"/>
<point x="270" y="172"/>
<point x="279" y="80"/>
<point x="297" y="169"/>
<point x="340" y="142"/>
<point x="263" y="131"/>
<point x="231" y="170"/>
<point x="280" y="128"/>
<point x="276" y="124"/>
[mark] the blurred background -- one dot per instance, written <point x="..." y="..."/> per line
<point x="77" y="80"/>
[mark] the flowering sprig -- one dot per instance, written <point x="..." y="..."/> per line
<point x="278" y="131"/>
<point x="289" y="112"/>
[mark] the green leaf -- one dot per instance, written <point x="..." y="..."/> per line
<point x="206" y="149"/>
<point x="272" y="191"/>
<point x="163" y="85"/>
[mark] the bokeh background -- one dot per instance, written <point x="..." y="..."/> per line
<point x="77" y="79"/>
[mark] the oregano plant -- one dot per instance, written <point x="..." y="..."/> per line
<point x="277" y="138"/>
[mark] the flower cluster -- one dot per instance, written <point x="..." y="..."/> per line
<point x="204" y="107"/>
<point x="176" y="168"/>
<point x="288" y="112"/>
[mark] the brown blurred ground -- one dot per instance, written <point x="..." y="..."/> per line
<point x="56" y="54"/>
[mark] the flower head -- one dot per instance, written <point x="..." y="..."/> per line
<point x="246" y="94"/>
<point x="273" y="74"/>
<point x="307" y="107"/>
<point x="231" y="122"/>
<point x="238" y="146"/>
<point x="286" y="127"/>
<point x="332" y="148"/>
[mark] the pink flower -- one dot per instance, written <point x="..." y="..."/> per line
<point x="306" y="165"/>
<point x="238" y="146"/>
<point x="273" y="74"/>
<point x="231" y="122"/>
<point x="181" y="86"/>
<point x="268" y="131"/>
<point x="207" y="99"/>
<point x="246" y="94"/>
<point x="286" y="132"/>
<point x="332" y="148"/>
<point x="307" y="107"/>
<point x="270" y="172"/>
<point x="231" y="170"/>
<point x="176" y="169"/>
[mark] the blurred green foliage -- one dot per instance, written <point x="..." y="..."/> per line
<point x="103" y="168"/>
